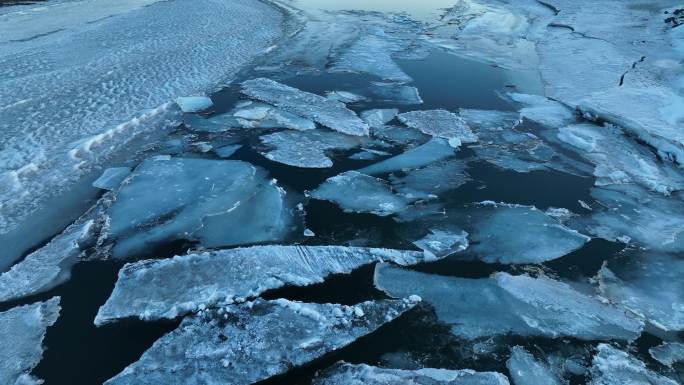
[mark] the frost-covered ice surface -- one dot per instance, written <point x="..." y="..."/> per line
<point x="169" y="288"/>
<point x="527" y="370"/>
<point x="308" y="149"/>
<point x="255" y="341"/>
<point x="439" y="124"/>
<point x="668" y="353"/>
<point x="612" y="366"/>
<point x="435" y="150"/>
<point x="330" y="113"/>
<point x="214" y="202"/>
<point x="22" y="330"/>
<point x="523" y="306"/>
<point x="361" y="193"/>
<point x="65" y="109"/>
<point x="349" y="374"/>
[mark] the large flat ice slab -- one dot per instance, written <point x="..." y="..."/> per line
<point x="307" y="149"/>
<point x="241" y="345"/>
<point x="346" y="374"/>
<point x="168" y="288"/>
<point x="22" y="330"/>
<point x="612" y="366"/>
<point x="440" y="124"/>
<point x="329" y="113"/>
<point x="522" y="305"/>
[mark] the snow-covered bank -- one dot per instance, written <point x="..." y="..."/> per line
<point x="79" y="86"/>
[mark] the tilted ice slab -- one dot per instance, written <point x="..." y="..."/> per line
<point x="168" y="288"/>
<point x="441" y="243"/>
<point x="329" y="113"/>
<point x="668" y="353"/>
<point x="217" y="202"/>
<point x="360" y="193"/>
<point x="523" y="306"/>
<point x="111" y="178"/>
<point x="612" y="366"/>
<point x="439" y="124"/>
<point x="349" y="374"/>
<point x="526" y="370"/>
<point x="372" y="54"/>
<point x="260" y="115"/>
<point x="432" y="151"/>
<point x="245" y="344"/>
<point x="306" y="149"/>
<point x="64" y="111"/>
<point x="432" y="180"/>
<point x="649" y="285"/>
<point x="379" y="117"/>
<point x="22" y="330"/>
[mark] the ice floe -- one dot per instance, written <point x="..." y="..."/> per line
<point x="329" y="113"/>
<point x="432" y="180"/>
<point x="394" y="93"/>
<point x="307" y="149"/>
<point x="255" y="341"/>
<point x="194" y="103"/>
<point x="259" y="115"/>
<point x="523" y="306"/>
<point x="111" y="178"/>
<point x="22" y="330"/>
<point x="527" y="370"/>
<point x="668" y="353"/>
<point x="439" y="124"/>
<point x="612" y="366"/>
<point x="227" y="151"/>
<point x="441" y="243"/>
<point x="435" y="150"/>
<point x="169" y="288"/>
<point x="379" y="117"/>
<point x="372" y="54"/>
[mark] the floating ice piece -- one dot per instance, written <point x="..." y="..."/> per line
<point x="439" y="124"/>
<point x="260" y="115"/>
<point x="344" y="96"/>
<point x="360" y="193"/>
<point x="649" y="285"/>
<point x="372" y="55"/>
<point x="368" y="154"/>
<point x="432" y="151"/>
<point x="197" y="199"/>
<point x="668" y="353"/>
<point x="443" y="243"/>
<point x="394" y="93"/>
<point x="194" y="103"/>
<point x="306" y="149"/>
<point x="526" y="370"/>
<point x="432" y="180"/>
<point x="218" y="123"/>
<point x="544" y="111"/>
<point x="329" y="113"/>
<point x="172" y="287"/>
<point x="347" y="374"/>
<point x="22" y="330"/>
<point x="523" y="306"/>
<point x="252" y="342"/>
<point x="379" y="117"/>
<point x="612" y="366"/>
<point x="111" y="178"/>
<point x="399" y="135"/>
<point x="227" y="151"/>
<point x="309" y="233"/>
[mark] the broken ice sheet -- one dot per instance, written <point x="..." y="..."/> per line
<point x="435" y="150"/>
<point x="544" y="111"/>
<point x="111" y="178"/>
<point x="648" y="284"/>
<point x="442" y="243"/>
<point x="217" y="123"/>
<point x="168" y="288"/>
<point x="194" y="103"/>
<point x="191" y="199"/>
<point x="344" y="96"/>
<point x="399" y="135"/>
<point x="612" y="366"/>
<point x="259" y="115"/>
<point x="329" y="113"/>
<point x="372" y="54"/>
<point x="349" y="374"/>
<point x="306" y="149"/>
<point x="668" y="353"/>
<point x="526" y="370"/>
<point x="22" y="330"/>
<point x="379" y="117"/>
<point x="439" y="124"/>
<point x="227" y="151"/>
<point x="393" y="93"/>
<point x="244" y="344"/>
<point x="432" y="180"/>
<point x="360" y="193"/>
<point x="523" y="306"/>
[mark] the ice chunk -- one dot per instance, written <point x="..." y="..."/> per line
<point x="648" y="284"/>
<point x="668" y="353"/>
<point x="526" y="370"/>
<point x="360" y="193"/>
<point x="379" y="117"/>
<point x="306" y="149"/>
<point x="227" y="151"/>
<point x="168" y="288"/>
<point x="111" y="178"/>
<point x="394" y="93"/>
<point x="369" y="154"/>
<point x="544" y="111"/>
<point x="194" y="103"/>
<point x="439" y="124"/>
<point x="218" y="123"/>
<point x="432" y="151"/>
<point x="255" y="341"/>
<point x="329" y="113"/>
<point x="344" y="96"/>
<point x="22" y="330"/>
<point x="399" y="135"/>
<point x="372" y="54"/>
<point x="442" y="243"/>
<point x="432" y="180"/>
<point x="260" y="115"/>
<point x="196" y="199"/>
<point x="612" y="366"/>
<point x="523" y="306"/>
<point x="347" y="374"/>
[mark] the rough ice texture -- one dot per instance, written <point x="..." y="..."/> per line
<point x="372" y="54"/>
<point x="432" y="180"/>
<point x="349" y="374"/>
<point x="612" y="366"/>
<point x="439" y="124"/>
<point x="22" y="330"/>
<point x="360" y="193"/>
<point x="649" y="285"/>
<point x="65" y="110"/>
<point x="399" y="135"/>
<point x="523" y="306"/>
<point x="111" y="178"/>
<point x="329" y="113"/>
<point x="306" y="149"/>
<point x="668" y="353"/>
<point x="526" y="370"/>
<point x="215" y="202"/>
<point x="255" y="341"/>
<point x="544" y="111"/>
<point x="168" y="288"/>
<point x="435" y="150"/>
<point x="194" y="103"/>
